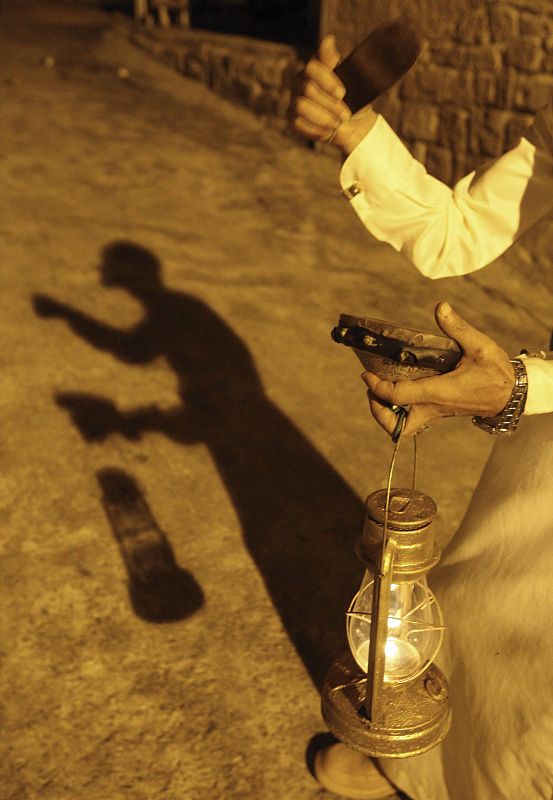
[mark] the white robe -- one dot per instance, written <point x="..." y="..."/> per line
<point x="495" y="580"/>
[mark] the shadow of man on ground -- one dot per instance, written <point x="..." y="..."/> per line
<point x="299" y="517"/>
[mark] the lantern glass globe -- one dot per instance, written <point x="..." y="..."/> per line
<point x="415" y="628"/>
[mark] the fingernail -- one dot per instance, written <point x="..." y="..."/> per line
<point x="339" y="92"/>
<point x="445" y="309"/>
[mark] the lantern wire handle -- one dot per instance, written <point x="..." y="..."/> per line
<point x="381" y="590"/>
<point x="397" y="438"/>
<point x="381" y="586"/>
<point x="414" y="462"/>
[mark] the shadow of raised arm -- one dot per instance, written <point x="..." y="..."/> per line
<point x="133" y="346"/>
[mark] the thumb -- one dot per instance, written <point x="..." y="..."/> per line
<point x="328" y="52"/>
<point x="472" y="341"/>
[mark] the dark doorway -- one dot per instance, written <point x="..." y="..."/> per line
<point x="293" y="22"/>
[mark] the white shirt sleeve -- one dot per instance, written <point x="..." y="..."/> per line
<point x="447" y="232"/>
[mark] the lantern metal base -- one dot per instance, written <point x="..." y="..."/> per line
<point x="413" y="718"/>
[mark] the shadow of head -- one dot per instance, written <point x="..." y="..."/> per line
<point x="160" y="590"/>
<point x="130" y="266"/>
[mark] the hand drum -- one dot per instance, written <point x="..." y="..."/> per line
<point x="395" y="352"/>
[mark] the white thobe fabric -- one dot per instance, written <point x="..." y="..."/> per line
<point x="495" y="580"/>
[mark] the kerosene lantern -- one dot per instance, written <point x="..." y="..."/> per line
<point x="386" y="698"/>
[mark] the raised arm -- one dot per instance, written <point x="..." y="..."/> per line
<point x="445" y="231"/>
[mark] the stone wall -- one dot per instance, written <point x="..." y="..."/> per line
<point x="253" y="73"/>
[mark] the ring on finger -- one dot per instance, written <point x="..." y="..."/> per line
<point x="332" y="134"/>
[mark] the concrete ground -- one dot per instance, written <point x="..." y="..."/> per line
<point x="184" y="450"/>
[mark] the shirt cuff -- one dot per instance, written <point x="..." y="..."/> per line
<point x="540" y="385"/>
<point x="378" y="164"/>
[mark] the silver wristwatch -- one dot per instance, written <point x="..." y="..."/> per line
<point x="507" y="420"/>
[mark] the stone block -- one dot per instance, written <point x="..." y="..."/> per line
<point x="476" y="124"/>
<point x="548" y="57"/>
<point x="516" y="127"/>
<point x="196" y="67"/>
<point x="221" y="62"/>
<point x="439" y="163"/>
<point x="536" y="25"/>
<point x="390" y="106"/>
<point x="493" y="132"/>
<point x="486" y="88"/>
<point x="247" y="65"/>
<point x="275" y="71"/>
<point x="440" y="85"/>
<point x="463" y="164"/>
<point x="488" y="56"/>
<point x="451" y="54"/>
<point x="533" y="92"/>
<point x="410" y="86"/>
<point x="534" y="6"/>
<point x="454" y="128"/>
<point x="418" y="151"/>
<point x="284" y="98"/>
<point x="473" y="27"/>
<point x="504" y="23"/>
<point x="241" y="90"/>
<point x="271" y="98"/>
<point x="461" y="88"/>
<point x="507" y="87"/>
<point x="437" y="19"/>
<point x="425" y="57"/>
<point x="166" y="54"/>
<point x="540" y="92"/>
<point x="525" y="53"/>
<point x="420" y="121"/>
<point x="346" y="11"/>
<point x="261" y="102"/>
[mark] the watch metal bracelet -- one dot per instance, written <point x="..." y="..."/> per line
<point x="507" y="420"/>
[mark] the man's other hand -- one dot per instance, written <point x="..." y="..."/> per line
<point x="480" y="385"/>
<point x="317" y="110"/>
